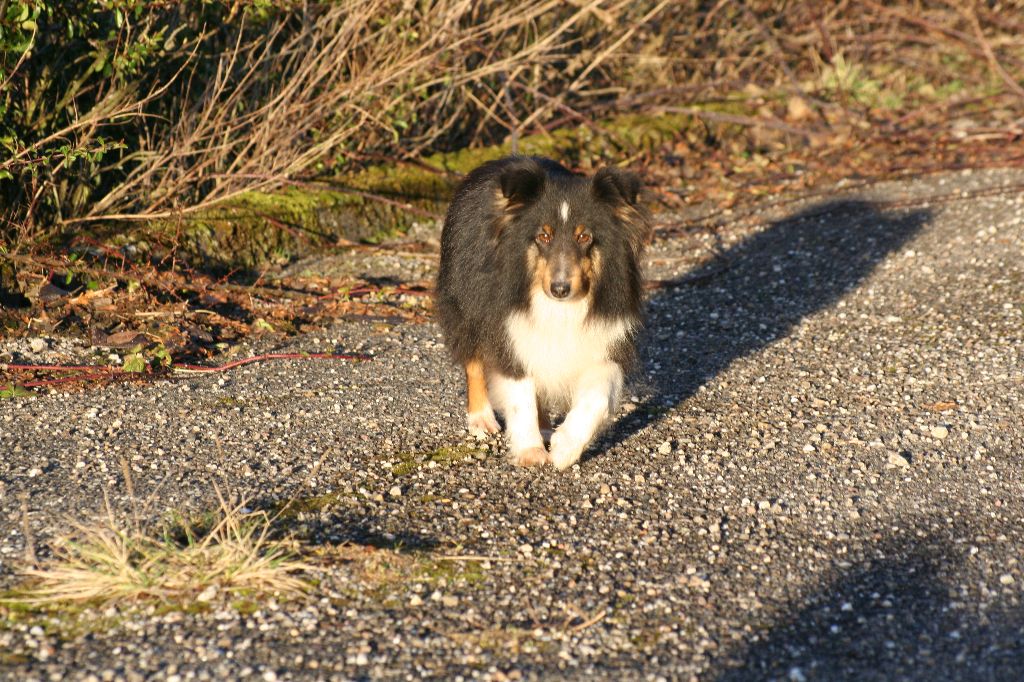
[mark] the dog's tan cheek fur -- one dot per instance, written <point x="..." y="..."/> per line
<point x="590" y="270"/>
<point x="537" y="265"/>
<point x="579" y="279"/>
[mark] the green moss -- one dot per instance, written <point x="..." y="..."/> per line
<point x="432" y="570"/>
<point x="245" y="606"/>
<point x="408" y="462"/>
<point x="452" y="455"/>
<point x="64" y="621"/>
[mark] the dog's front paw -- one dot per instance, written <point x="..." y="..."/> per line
<point x="530" y="457"/>
<point x="482" y="423"/>
<point x="565" y="450"/>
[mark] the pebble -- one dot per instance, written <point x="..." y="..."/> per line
<point x="939" y="432"/>
<point x="665" y="448"/>
<point x="208" y="594"/>
<point x="396" y="491"/>
<point x="898" y="460"/>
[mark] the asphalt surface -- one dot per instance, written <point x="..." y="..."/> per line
<point x="817" y="475"/>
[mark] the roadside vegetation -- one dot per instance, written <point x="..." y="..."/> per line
<point x="120" y="558"/>
<point x="128" y="559"/>
<point x="170" y="157"/>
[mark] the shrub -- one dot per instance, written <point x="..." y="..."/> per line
<point x="148" y="108"/>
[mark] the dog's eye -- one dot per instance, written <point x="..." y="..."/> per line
<point x="543" y="237"/>
<point x="583" y="238"/>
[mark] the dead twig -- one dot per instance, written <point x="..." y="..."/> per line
<point x="739" y="119"/>
<point x="590" y="622"/>
<point x="990" y="55"/>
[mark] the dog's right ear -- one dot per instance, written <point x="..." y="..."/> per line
<point x="522" y="181"/>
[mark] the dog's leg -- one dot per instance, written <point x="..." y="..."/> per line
<point x="544" y="420"/>
<point x="478" y="408"/>
<point x="517" y="401"/>
<point x="595" y="398"/>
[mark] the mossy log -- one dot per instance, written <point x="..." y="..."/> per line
<point x="260" y="228"/>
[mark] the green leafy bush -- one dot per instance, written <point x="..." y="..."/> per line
<point x="77" y="75"/>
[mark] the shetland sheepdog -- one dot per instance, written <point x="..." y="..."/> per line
<point x="539" y="295"/>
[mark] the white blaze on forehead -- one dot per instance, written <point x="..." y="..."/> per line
<point x="563" y="211"/>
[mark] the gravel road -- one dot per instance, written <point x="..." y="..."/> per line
<point x="817" y="476"/>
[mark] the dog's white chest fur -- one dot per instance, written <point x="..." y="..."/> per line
<point x="555" y="343"/>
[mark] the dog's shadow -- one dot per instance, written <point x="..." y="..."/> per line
<point x="755" y="293"/>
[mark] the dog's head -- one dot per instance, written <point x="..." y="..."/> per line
<point x="570" y="224"/>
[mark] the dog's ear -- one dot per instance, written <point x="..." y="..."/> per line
<point x="620" y="190"/>
<point x="521" y="182"/>
<point x="616" y="186"/>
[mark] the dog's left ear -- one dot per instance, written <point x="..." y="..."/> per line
<point x="615" y="185"/>
<point x="620" y="189"/>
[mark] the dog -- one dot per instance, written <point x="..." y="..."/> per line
<point x="540" y="299"/>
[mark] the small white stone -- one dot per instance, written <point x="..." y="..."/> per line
<point x="1006" y="579"/>
<point x="939" y="432"/>
<point x="415" y="600"/>
<point x="665" y="448"/>
<point x="396" y="491"/>
<point x="208" y="594"/>
<point x="898" y="460"/>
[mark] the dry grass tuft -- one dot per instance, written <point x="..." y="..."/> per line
<point x="115" y="561"/>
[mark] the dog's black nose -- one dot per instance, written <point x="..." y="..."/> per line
<point x="560" y="289"/>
